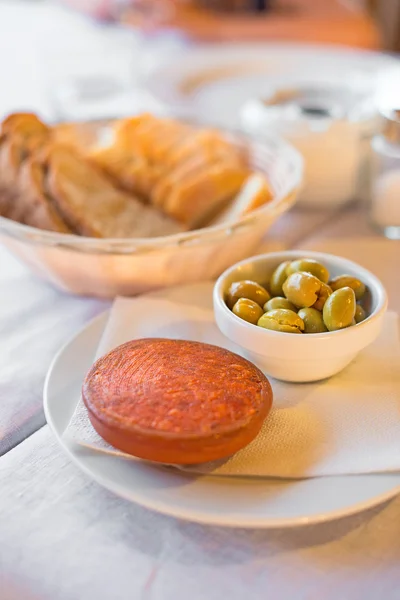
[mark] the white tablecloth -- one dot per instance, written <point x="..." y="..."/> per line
<point x="35" y="321"/>
<point x="62" y="537"/>
<point x="65" y="538"/>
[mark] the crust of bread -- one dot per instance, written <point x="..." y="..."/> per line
<point x="28" y="125"/>
<point x="205" y="144"/>
<point x="176" y="177"/>
<point x="128" y="172"/>
<point x="37" y="208"/>
<point x="23" y="134"/>
<point x="190" y="174"/>
<point x="204" y="193"/>
<point x="91" y="204"/>
<point x="255" y="192"/>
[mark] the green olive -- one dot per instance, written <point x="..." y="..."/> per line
<point x="323" y="295"/>
<point x="360" y="314"/>
<point x="265" y="284"/>
<point x="278" y="278"/>
<point x="302" y="289"/>
<point x="246" y="289"/>
<point x="309" y="265"/>
<point x="367" y="301"/>
<point x="248" y="310"/>
<point x="313" y="321"/>
<point x="279" y="302"/>
<point x="351" y="282"/>
<point x="339" y="309"/>
<point x="281" y="319"/>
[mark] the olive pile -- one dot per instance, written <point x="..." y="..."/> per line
<point x="300" y="298"/>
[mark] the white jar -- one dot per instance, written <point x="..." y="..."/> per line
<point x="330" y="127"/>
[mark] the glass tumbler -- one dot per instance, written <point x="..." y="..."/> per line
<point x="385" y="178"/>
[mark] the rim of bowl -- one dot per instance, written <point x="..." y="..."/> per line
<point x="382" y="298"/>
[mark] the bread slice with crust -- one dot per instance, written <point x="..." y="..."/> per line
<point x="255" y="192"/>
<point x="158" y="177"/>
<point x="129" y="172"/>
<point x="37" y="207"/>
<point x="205" y="144"/>
<point x="187" y="172"/>
<point x="201" y="195"/>
<point x="27" y="125"/>
<point x="7" y="177"/>
<point x="52" y="186"/>
<point x="21" y="135"/>
<point x="91" y="205"/>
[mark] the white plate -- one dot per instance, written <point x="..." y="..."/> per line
<point x="215" y="81"/>
<point x="235" y="502"/>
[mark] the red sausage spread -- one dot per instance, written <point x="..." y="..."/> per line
<point x="176" y="401"/>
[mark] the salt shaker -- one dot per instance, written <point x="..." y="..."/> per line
<point x="385" y="177"/>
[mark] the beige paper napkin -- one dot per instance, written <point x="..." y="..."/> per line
<point x="345" y="425"/>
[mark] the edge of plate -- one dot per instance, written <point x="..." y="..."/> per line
<point x="205" y="519"/>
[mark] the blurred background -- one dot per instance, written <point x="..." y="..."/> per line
<point x="90" y="58"/>
<point x="363" y="23"/>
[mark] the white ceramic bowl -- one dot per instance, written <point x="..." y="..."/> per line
<point x="291" y="357"/>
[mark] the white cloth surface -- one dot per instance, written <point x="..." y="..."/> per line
<point x="63" y="537"/>
<point x="35" y="320"/>
<point x="348" y="424"/>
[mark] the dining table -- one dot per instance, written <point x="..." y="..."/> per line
<point x="63" y="536"/>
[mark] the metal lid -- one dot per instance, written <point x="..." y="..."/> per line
<point x="295" y="107"/>
<point x="316" y="101"/>
<point x="391" y="125"/>
<point x="307" y="102"/>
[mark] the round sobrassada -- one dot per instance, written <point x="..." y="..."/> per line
<point x="175" y="401"/>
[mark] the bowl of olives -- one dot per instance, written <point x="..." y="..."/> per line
<point x="300" y="316"/>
